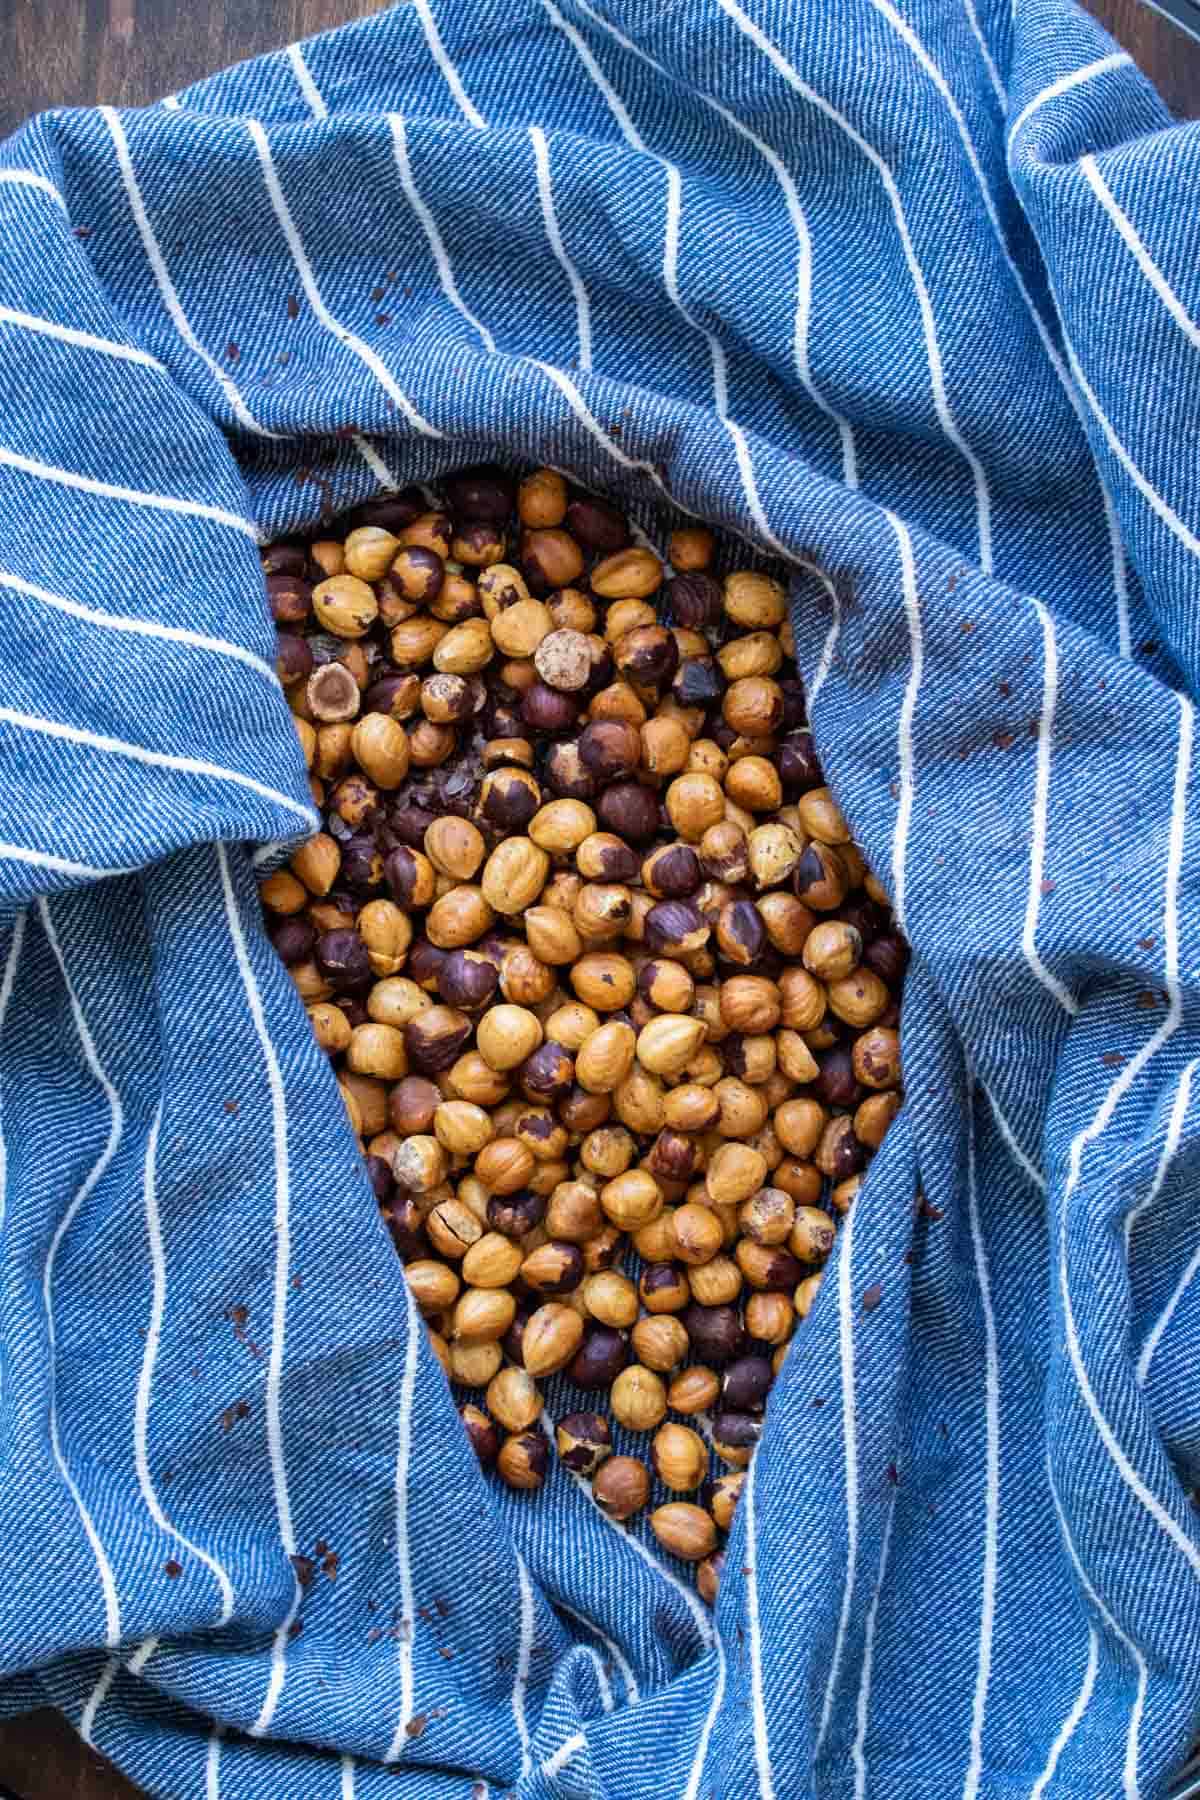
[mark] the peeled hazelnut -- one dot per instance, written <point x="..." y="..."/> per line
<point x="583" y="1441"/>
<point x="493" y="1261"/>
<point x="684" y="1530"/>
<point x="554" y="1268"/>
<point x="679" y="1457"/>
<point x="767" y="1216"/>
<point x="433" y="1286"/>
<point x="708" y="1577"/>
<point x="631" y="1200"/>
<point x="504" y="1166"/>
<point x="563" y="660"/>
<point x="514" y="875"/>
<point x="332" y="694"/>
<point x="755" y="600"/>
<point x="820" y="878"/>
<point x="507" y="1035"/>
<point x="605" y="1058"/>
<point x="514" y="1399"/>
<point x="551" y="1338"/>
<point x="812" y="1235"/>
<point x="622" y="1487"/>
<point x="542" y="498"/>
<point x="694" y="1390"/>
<point x="667" y="1044"/>
<point x="698" y="1233"/>
<point x="452" y="1228"/>
<point x="483" y="1315"/>
<point x="638" y="1398"/>
<point x="524" y="1460"/>
<point x="660" y="1342"/>
<point x="627" y="574"/>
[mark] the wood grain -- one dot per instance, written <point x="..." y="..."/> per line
<point x="129" y="52"/>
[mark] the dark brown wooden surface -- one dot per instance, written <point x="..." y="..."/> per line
<point x="78" y="52"/>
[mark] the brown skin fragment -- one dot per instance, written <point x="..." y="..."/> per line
<point x="172" y="1570"/>
<point x="305" y="1568"/>
<point x="872" y="1297"/>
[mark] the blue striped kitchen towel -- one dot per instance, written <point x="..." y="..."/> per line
<point x="907" y="292"/>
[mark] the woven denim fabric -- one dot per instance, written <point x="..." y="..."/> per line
<point x="907" y="293"/>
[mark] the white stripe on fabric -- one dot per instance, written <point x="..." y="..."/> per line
<point x="991" y="1378"/>
<point x="1170" y="1146"/>
<point x="299" y="257"/>
<point x="83" y="340"/>
<point x="695" y="1606"/>
<point x="862" y="1713"/>
<point x="1129" y="1781"/>
<point x="407" y="1623"/>
<point x="908" y="707"/>
<point x="166" y="287"/>
<point x="950" y="431"/>
<point x="212" y="1765"/>
<point x="1041" y="808"/>
<point x="845" y="1294"/>
<point x="30" y="179"/>
<point x="1169" y="1149"/>
<point x="692" y="1790"/>
<point x="632" y="1692"/>
<point x="1120" y="575"/>
<point x="670" y="270"/>
<point x="607" y="1697"/>
<point x="827" y="648"/>
<point x="151" y="628"/>
<point x="282" y="1228"/>
<point x="172" y="102"/>
<point x="629" y="130"/>
<point x="1018" y="1155"/>
<point x="141" y="1416"/>
<point x="1133" y="1481"/>
<point x="96" y="1699"/>
<point x="437" y="50"/>
<point x="58" y="865"/>
<point x="803" y="237"/>
<point x="196" y="509"/>
<point x="563" y="1754"/>
<point x="1065" y="83"/>
<point x="1145" y="262"/>
<point x="112" y="1606"/>
<point x="374" y="461"/>
<point x="1072" y="1719"/>
<point x="141" y="1656"/>
<point x="6" y="988"/>
<point x="988" y="60"/>
<point x="428" y="223"/>
<point x="583" y="314"/>
<point x="1148" y="491"/>
<point x="524" y="1655"/>
<point x="159" y="759"/>
<point x="305" y="82"/>
<point x="762" y="1743"/>
<point x="347" y="1785"/>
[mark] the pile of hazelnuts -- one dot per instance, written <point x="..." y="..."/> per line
<point x="611" y="995"/>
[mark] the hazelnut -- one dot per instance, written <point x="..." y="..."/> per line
<point x="664" y="1287"/>
<point x="433" y="1286"/>
<point x="563" y="659"/>
<point x="452" y="1228"/>
<point x="820" y="878"/>
<point x="683" y="1530"/>
<point x="482" y="1434"/>
<point x="519" y="630"/>
<point x="462" y="1129"/>
<point x="692" y="547"/>
<point x="767" y="1217"/>
<point x="583" y="1441"/>
<point x="554" y="1268"/>
<point x="638" y="1398"/>
<point x="610" y="748"/>
<point x="630" y="810"/>
<point x="745" y="1383"/>
<point x="600" y="1358"/>
<point x="524" y="1460"/>
<point x="754" y="600"/>
<point x="507" y="1035"/>
<point x="473" y="1364"/>
<point x="514" y="875"/>
<point x="679" y="1458"/>
<point x="873" y="1116"/>
<point x="611" y="1299"/>
<point x="753" y="783"/>
<point x="698" y="1233"/>
<point x="660" y="1342"/>
<point x="708" y="1577"/>
<point x="550" y="558"/>
<point x="774" y="853"/>
<point x="605" y="1058"/>
<point x="858" y="999"/>
<point x="435" y="1038"/>
<point x="504" y="1166"/>
<point x="668" y="1043"/>
<point x="632" y="1199"/>
<point x="345" y="605"/>
<point x="735" y="1436"/>
<point x="665" y="745"/>
<point x="542" y="499"/>
<point x="483" y="1315"/>
<point x="622" y="1487"/>
<point x="694" y="1390"/>
<point x="715" y="1332"/>
<point x="493" y="1261"/>
<point x="332" y="694"/>
<point x="694" y="802"/>
<point x="812" y="1234"/>
<point x="412" y="1105"/>
<point x="769" y="1268"/>
<point x="648" y="655"/>
<point x="514" y="1399"/>
<point x="750" y="1003"/>
<point x="551" y="1338"/>
<point x="626" y="574"/>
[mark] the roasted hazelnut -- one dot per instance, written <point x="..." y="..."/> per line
<point x="344" y="960"/>
<point x="435" y="1038"/>
<point x="472" y="1364"/>
<point x="605" y="1058"/>
<point x="745" y="1383"/>
<point x="467" y="981"/>
<point x="377" y="1050"/>
<point x="509" y="798"/>
<point x="541" y="499"/>
<point x="667" y="986"/>
<point x="663" y="1287"/>
<point x="483" y="1436"/>
<point x="753" y="783"/>
<point x="514" y="875"/>
<point x="734" y="1173"/>
<point x="660" y="1342"/>
<point x="812" y="1235"/>
<point x="601" y="856"/>
<point x="554" y="1268"/>
<point x="820" y="878"/>
<point x="524" y="1460"/>
<point x="715" y="1332"/>
<point x="767" y="1216"/>
<point x="332" y="694"/>
<point x="622" y="1487"/>
<point x="698" y="683"/>
<point x="563" y="659"/>
<point x="741" y="933"/>
<point x="600" y="1357"/>
<point x="638" y="1398"/>
<point x="770" y="1318"/>
<point x="412" y="1105"/>
<point x="672" y="872"/>
<point x="493" y="1261"/>
<point x="551" y="1337"/>
<point x="567" y="774"/>
<point x="550" y="558"/>
<point x="679" y="1457"/>
<point x="698" y="1233"/>
<point x="836" y="1083"/>
<point x="735" y="1435"/>
<point x="693" y="1390"/>
<point x="873" y="1116"/>
<point x="694" y="803"/>
<point x="769" y="1268"/>
<point x="630" y="810"/>
<point x="609" y="749"/>
<point x="482" y="1316"/>
<point x="514" y="1399"/>
<point x="694" y="598"/>
<point x="753" y="706"/>
<point x="674" y="928"/>
<point x="684" y="1530"/>
<point x="583" y="1441"/>
<point x="708" y="1577"/>
<point x="516" y="1213"/>
<point x="648" y="656"/>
